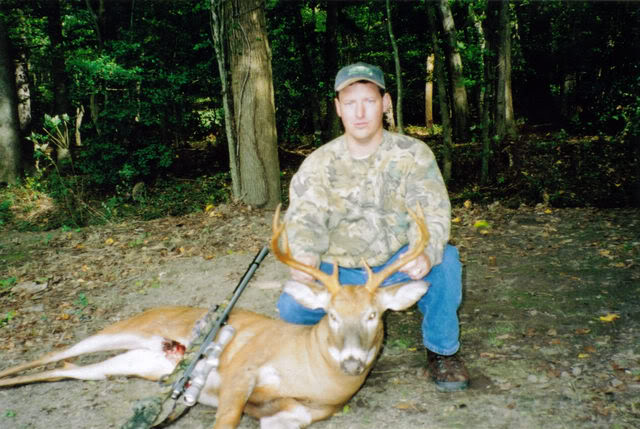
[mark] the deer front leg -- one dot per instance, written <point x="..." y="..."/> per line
<point x="232" y="398"/>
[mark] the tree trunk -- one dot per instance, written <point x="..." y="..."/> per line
<point x="396" y="57"/>
<point x="333" y="127"/>
<point x="428" y="93"/>
<point x="458" y="90"/>
<point x="479" y="95"/>
<point x="488" y="100"/>
<point x="219" y="34"/>
<point x="97" y="98"/>
<point x="389" y="118"/>
<point x="441" y="82"/>
<point x="505" y="122"/>
<point x="23" y="91"/>
<point x="58" y="67"/>
<point x="254" y="105"/>
<point x="10" y="164"/>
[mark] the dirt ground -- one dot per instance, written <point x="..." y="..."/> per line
<point x="549" y="320"/>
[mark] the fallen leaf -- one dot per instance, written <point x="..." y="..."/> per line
<point x="467" y="204"/>
<point x="583" y="331"/>
<point x="456" y="220"/>
<point x="109" y="241"/>
<point x="609" y="317"/>
<point x="405" y="406"/>
<point x="583" y="355"/>
<point x="589" y="349"/>
<point x="504" y="337"/>
<point x="605" y="253"/>
<point x="208" y="208"/>
<point x="481" y="224"/>
<point x="552" y="332"/>
<point x="548" y="211"/>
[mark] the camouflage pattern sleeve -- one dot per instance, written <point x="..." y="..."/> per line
<point x="306" y="216"/>
<point x="427" y="188"/>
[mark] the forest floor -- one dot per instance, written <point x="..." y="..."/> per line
<point x="550" y="320"/>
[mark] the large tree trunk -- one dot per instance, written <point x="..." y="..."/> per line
<point x="333" y="127"/>
<point x="396" y="57"/>
<point x="458" y="90"/>
<point x="441" y="80"/>
<point x="505" y="121"/>
<point x="253" y="105"/>
<point x="10" y="166"/>
<point x="23" y="91"/>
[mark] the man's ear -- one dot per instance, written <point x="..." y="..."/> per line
<point x="386" y="102"/>
<point x="338" y="110"/>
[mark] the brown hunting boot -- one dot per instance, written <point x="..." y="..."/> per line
<point x="448" y="372"/>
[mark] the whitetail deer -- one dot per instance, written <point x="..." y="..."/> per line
<point x="285" y="375"/>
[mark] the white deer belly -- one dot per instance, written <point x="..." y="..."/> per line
<point x="295" y="418"/>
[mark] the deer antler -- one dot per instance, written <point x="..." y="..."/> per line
<point x="284" y="255"/>
<point x="375" y="279"/>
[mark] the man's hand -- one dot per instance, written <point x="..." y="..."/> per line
<point x="417" y="268"/>
<point x="300" y="276"/>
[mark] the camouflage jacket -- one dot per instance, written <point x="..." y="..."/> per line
<point x="343" y="209"/>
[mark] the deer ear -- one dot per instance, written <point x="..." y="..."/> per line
<point x="402" y="296"/>
<point x="307" y="294"/>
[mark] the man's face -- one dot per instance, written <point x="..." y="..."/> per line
<point x="360" y="106"/>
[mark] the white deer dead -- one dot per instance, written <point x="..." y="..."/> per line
<point x="285" y="375"/>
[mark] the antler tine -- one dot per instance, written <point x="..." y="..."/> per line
<point x="374" y="280"/>
<point x="284" y="255"/>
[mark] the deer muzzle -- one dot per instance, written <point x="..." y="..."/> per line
<point x="352" y="366"/>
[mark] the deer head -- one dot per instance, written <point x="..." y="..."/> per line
<point x="354" y="313"/>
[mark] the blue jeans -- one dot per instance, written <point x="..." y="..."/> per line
<point x="439" y="306"/>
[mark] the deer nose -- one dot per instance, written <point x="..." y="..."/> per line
<point x="352" y="366"/>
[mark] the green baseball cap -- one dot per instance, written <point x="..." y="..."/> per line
<point x="358" y="71"/>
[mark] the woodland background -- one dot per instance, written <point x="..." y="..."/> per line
<point x="131" y="108"/>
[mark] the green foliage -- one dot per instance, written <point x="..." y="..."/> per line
<point x="6" y="319"/>
<point x="175" y="198"/>
<point x="5" y="211"/>
<point x="7" y="284"/>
